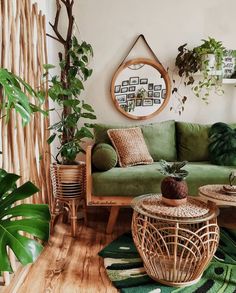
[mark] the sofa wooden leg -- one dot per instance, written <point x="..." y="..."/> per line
<point x="112" y="219"/>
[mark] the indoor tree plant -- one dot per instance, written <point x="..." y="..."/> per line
<point x="65" y="90"/>
<point x="206" y="59"/>
<point x="16" y="218"/>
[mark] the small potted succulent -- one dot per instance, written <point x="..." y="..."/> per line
<point x="231" y="188"/>
<point x="174" y="188"/>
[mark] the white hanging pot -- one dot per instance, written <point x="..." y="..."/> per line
<point x="209" y="64"/>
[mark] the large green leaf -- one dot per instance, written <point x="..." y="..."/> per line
<point x="222" y="147"/>
<point x="29" y="218"/>
<point x="15" y="91"/>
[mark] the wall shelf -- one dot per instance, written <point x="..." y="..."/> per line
<point x="229" y="81"/>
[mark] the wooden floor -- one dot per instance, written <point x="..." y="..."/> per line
<point x="72" y="265"/>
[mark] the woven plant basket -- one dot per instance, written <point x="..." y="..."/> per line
<point x="68" y="180"/>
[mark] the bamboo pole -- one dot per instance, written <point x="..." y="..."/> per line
<point x="23" y="51"/>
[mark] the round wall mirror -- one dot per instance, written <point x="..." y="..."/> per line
<point x="140" y="88"/>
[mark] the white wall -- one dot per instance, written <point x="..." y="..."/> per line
<point x="112" y="26"/>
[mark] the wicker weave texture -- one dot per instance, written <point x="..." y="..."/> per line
<point x="175" y="254"/>
<point x="68" y="181"/>
<point x="153" y="205"/>
<point x="216" y="192"/>
<point x="69" y="192"/>
<point x="130" y="146"/>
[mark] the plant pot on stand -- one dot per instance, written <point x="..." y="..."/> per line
<point x="68" y="183"/>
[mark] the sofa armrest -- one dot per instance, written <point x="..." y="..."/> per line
<point x="89" y="174"/>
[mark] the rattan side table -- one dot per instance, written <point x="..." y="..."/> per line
<point x="69" y="188"/>
<point x="175" y="243"/>
<point x="226" y="203"/>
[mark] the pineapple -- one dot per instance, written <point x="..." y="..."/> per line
<point x="174" y="188"/>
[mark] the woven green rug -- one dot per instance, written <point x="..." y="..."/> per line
<point x="125" y="269"/>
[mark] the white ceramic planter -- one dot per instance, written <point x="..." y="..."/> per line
<point x="209" y="63"/>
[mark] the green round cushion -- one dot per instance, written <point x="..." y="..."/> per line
<point x="104" y="157"/>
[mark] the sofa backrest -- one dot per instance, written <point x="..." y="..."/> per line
<point x="192" y="141"/>
<point x="160" y="138"/>
<point x="168" y="140"/>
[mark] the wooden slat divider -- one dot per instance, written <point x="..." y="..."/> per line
<point x="24" y="51"/>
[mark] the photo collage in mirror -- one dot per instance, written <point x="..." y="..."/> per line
<point x="139" y="92"/>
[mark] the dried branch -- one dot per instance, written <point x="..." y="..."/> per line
<point x="55" y="25"/>
<point x="53" y="37"/>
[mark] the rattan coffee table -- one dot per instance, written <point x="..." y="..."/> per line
<point x="175" y="243"/>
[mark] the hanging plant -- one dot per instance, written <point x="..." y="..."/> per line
<point x="199" y="59"/>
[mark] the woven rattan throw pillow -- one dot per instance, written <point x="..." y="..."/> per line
<point x="130" y="146"/>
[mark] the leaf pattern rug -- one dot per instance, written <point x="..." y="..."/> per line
<point x="125" y="268"/>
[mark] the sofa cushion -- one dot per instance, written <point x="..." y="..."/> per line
<point x="104" y="157"/>
<point x="130" y="146"/>
<point x="160" y="140"/>
<point x="192" y="141"/>
<point x="144" y="179"/>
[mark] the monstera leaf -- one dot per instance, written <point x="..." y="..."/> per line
<point x="15" y="92"/>
<point x="15" y="219"/>
<point x="222" y="148"/>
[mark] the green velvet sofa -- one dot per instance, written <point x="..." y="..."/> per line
<point x="168" y="140"/>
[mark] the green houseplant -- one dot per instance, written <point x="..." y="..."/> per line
<point x="206" y="59"/>
<point x="13" y="97"/>
<point x="211" y="54"/>
<point x="74" y="124"/>
<point x="14" y="218"/>
<point x="30" y="218"/>
<point x="65" y="91"/>
<point x="174" y="188"/>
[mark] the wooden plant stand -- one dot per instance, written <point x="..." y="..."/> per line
<point x="69" y="192"/>
<point x="175" y="243"/>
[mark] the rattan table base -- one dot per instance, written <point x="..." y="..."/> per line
<point x="175" y="244"/>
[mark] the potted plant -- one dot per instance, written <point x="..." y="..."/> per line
<point x="16" y="218"/>
<point x="207" y="59"/>
<point x="174" y="188"/>
<point x="65" y="90"/>
<point x="211" y="53"/>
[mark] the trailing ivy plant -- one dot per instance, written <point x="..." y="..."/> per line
<point x="189" y="62"/>
<point x="15" y="219"/>
<point x="73" y="125"/>
<point x="210" y="81"/>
